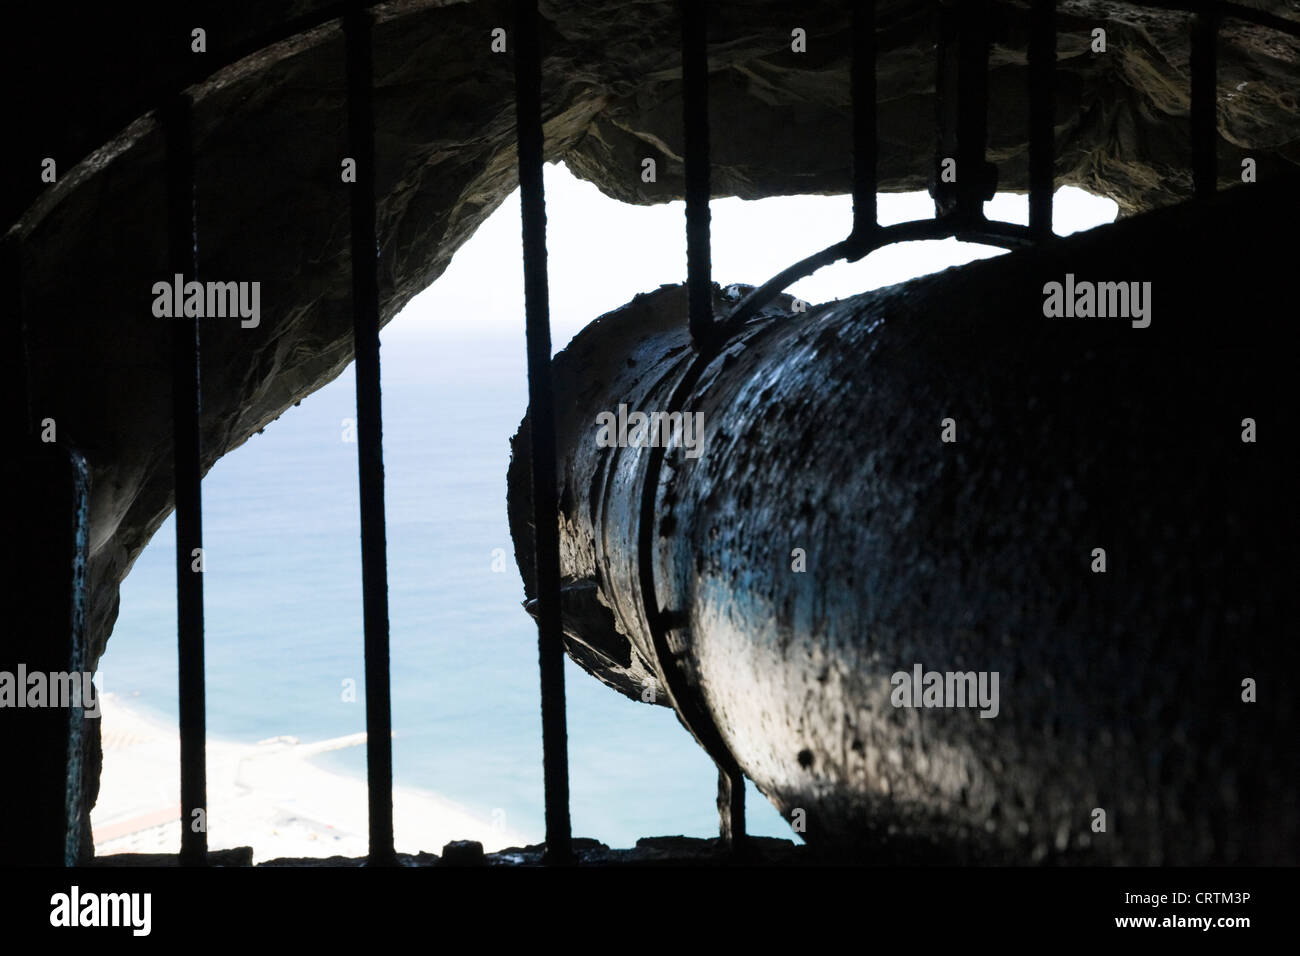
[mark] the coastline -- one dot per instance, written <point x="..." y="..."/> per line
<point x="269" y="795"/>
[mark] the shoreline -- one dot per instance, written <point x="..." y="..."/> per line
<point x="269" y="795"/>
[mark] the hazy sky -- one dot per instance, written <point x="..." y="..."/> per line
<point x="601" y="253"/>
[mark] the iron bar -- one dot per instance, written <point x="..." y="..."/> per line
<point x="1204" y="103"/>
<point x="541" y="405"/>
<point x="961" y="94"/>
<point x="370" y="443"/>
<point x="704" y="335"/>
<point x="695" y="100"/>
<point x="976" y="179"/>
<point x="1008" y="235"/>
<point x="946" y="67"/>
<point x="862" y="82"/>
<point x="186" y="407"/>
<point x="1042" y="116"/>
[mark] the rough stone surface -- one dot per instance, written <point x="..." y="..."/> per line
<point x="235" y="856"/>
<point x="1119" y="691"/>
<point x="271" y="133"/>
<point x="462" y="853"/>
<point x="649" y="851"/>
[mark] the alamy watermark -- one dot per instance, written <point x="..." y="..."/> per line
<point x="208" y="300"/>
<point x="49" y="689"/>
<point x="1083" y="299"/>
<point x="922" y="688"/>
<point x="75" y="908"/>
<point x="649" y="430"/>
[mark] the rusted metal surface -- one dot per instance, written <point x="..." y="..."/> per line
<point x="1119" y="691"/>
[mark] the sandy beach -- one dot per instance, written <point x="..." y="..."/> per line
<point x="268" y="795"/>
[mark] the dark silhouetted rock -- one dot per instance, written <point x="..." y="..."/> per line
<point x="462" y="853"/>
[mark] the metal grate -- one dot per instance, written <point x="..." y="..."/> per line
<point x="183" y="250"/>
<point x="962" y="116"/>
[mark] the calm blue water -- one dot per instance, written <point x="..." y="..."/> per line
<point x="283" y="602"/>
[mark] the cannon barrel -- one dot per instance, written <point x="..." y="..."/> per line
<point x="1062" y="517"/>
